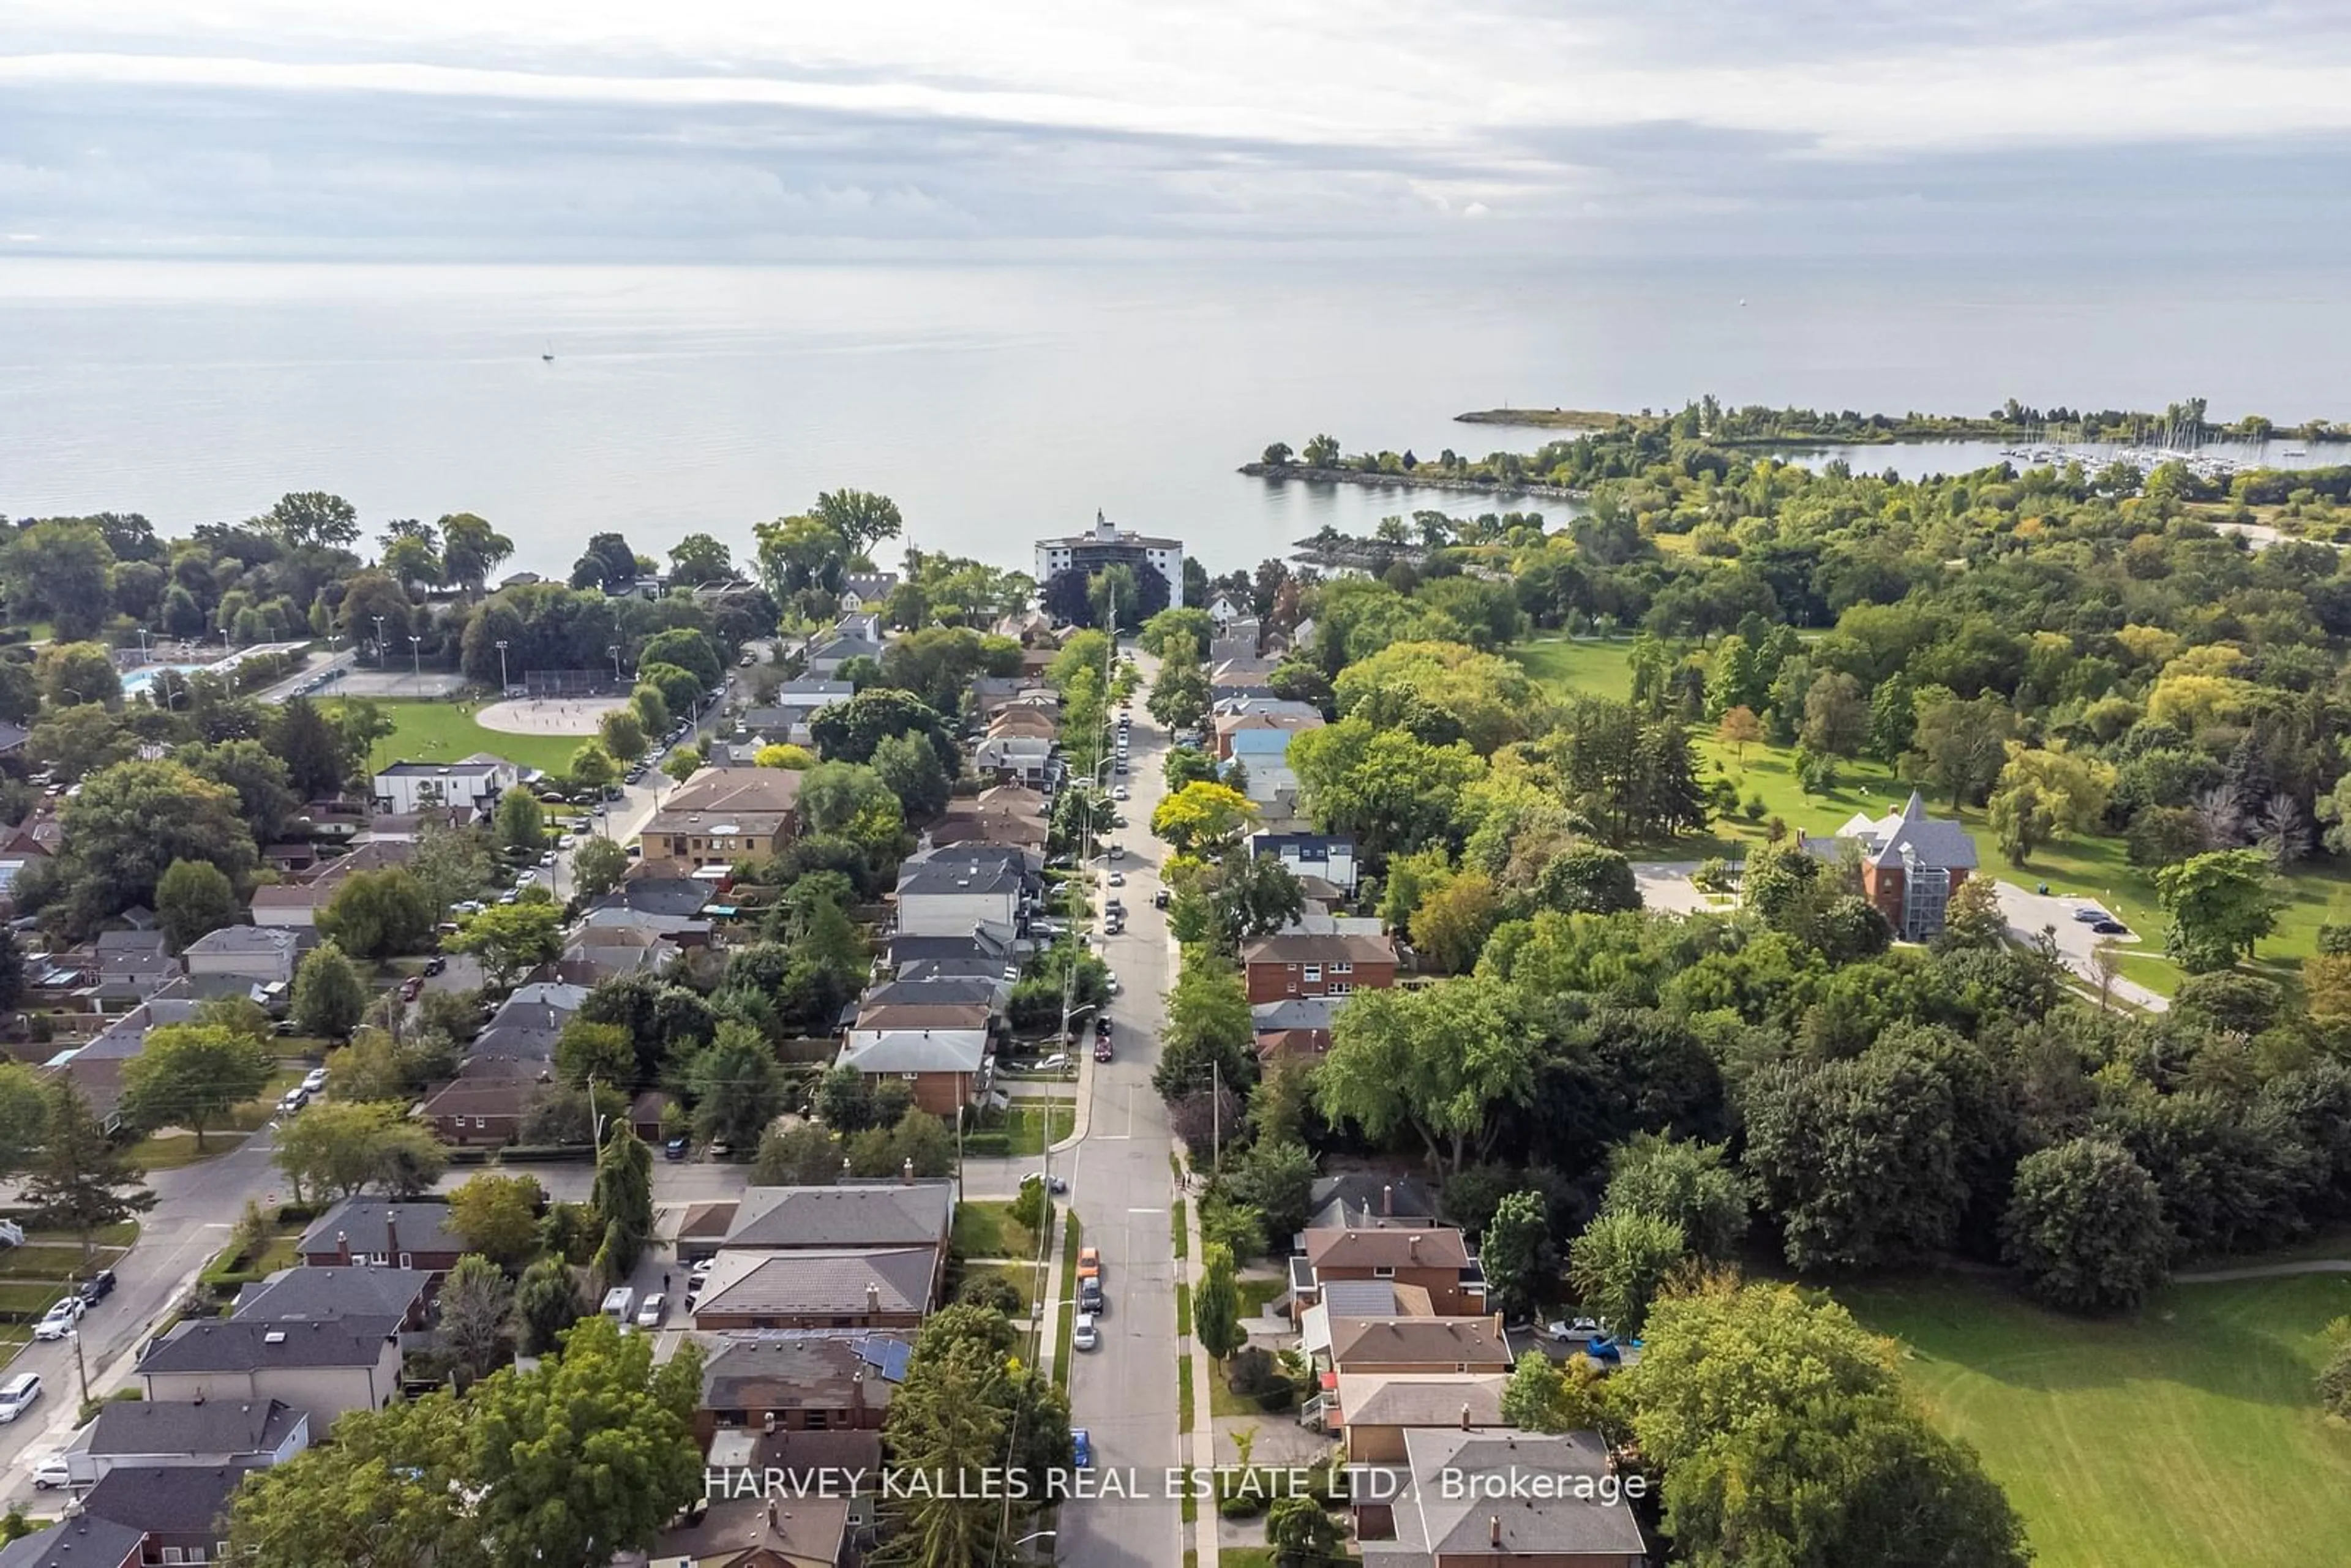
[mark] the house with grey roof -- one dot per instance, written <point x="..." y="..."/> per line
<point x="882" y="1288"/>
<point x="1911" y="864"/>
<point x="81" y="1541"/>
<point x="378" y="1233"/>
<point x="321" y="1367"/>
<point x="792" y="1382"/>
<point x="879" y="1214"/>
<point x="1485" y="1498"/>
<point x="334" y="1292"/>
<point x="183" y="1509"/>
<point x="139" y="1435"/>
<point x="235" y="959"/>
<point x="947" y="1068"/>
<point x="945" y="892"/>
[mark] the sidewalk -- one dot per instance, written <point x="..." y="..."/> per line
<point x="1204" y="1427"/>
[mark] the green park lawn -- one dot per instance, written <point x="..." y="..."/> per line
<point x="2187" y="1434"/>
<point x="436" y="731"/>
<point x="2092" y="866"/>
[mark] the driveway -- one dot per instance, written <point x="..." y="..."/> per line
<point x="2030" y="915"/>
<point x="1665" y="887"/>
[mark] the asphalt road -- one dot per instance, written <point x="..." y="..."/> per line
<point x="1121" y="1189"/>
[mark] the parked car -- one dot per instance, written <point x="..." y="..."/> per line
<point x="50" y="1473"/>
<point x="650" y="1315"/>
<point x="547" y="857"/>
<point x="1102" y="1025"/>
<point x="61" y="1319"/>
<point x="1118" y="879"/>
<point x="1120" y="793"/>
<point x="1118" y="851"/>
<point x="1054" y="1064"/>
<point x="1056" y="1185"/>
<point x="620" y="1302"/>
<point x="2090" y="914"/>
<point x="1081" y="1447"/>
<point x="675" y="1149"/>
<point x="1089" y="1263"/>
<point x="411" y="987"/>
<point x="1091" y="1300"/>
<point x="436" y="965"/>
<point x="314" y="1080"/>
<point x="1102" y="1049"/>
<point x="1111" y="976"/>
<point x="2111" y="928"/>
<point x="1083" y="1337"/>
<point x="16" y="1395"/>
<point x="1159" y="899"/>
<point x="97" y="1288"/>
<point x="295" y="1098"/>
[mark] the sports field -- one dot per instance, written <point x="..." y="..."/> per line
<point x="445" y="731"/>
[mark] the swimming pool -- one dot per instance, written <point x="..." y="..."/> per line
<point x="145" y="676"/>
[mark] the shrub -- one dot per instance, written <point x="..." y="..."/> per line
<point x="992" y="1290"/>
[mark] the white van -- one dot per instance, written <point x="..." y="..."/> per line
<point x="16" y="1395"/>
<point x="619" y="1302"/>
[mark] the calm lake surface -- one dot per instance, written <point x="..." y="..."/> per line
<point x="1000" y="401"/>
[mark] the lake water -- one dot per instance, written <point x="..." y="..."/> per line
<point x="1001" y="402"/>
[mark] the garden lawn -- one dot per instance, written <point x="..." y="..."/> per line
<point x="2187" y="1435"/>
<point x="438" y="732"/>
<point x="2092" y="866"/>
<point x="1023" y="1277"/>
<point x="986" y="1228"/>
<point x="1026" y="1122"/>
<point x="169" y="1150"/>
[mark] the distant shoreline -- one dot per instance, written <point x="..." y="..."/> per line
<point x="1409" y="480"/>
<point x="1907" y="430"/>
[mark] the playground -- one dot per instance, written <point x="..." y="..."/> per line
<point x="548" y="716"/>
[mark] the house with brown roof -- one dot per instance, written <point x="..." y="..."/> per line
<point x="723" y="816"/>
<point x="1436" y="1258"/>
<point x="809" y="1532"/>
<point x="811" y="1382"/>
<point x="835" y="1288"/>
<point x="1488" y="1499"/>
<point x="1375" y="1409"/>
<point x="1417" y="1344"/>
<point x="1293" y="964"/>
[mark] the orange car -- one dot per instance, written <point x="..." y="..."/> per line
<point x="1089" y="1263"/>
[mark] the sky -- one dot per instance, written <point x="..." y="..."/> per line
<point x="734" y="130"/>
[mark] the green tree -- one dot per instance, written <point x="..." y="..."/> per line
<point x="802" y="1155"/>
<point x="343" y="1147"/>
<point x="1836" y="716"/>
<point x="622" y="735"/>
<point x="2220" y="904"/>
<point x="379" y="1495"/>
<point x="519" y="822"/>
<point x="24" y="1115"/>
<point x="951" y="1422"/>
<point x="1590" y="879"/>
<point x="597" y="867"/>
<point x="909" y="767"/>
<point x="651" y="707"/>
<point x="63" y="566"/>
<point x="592" y="767"/>
<point x="684" y="648"/>
<point x="1442" y="1061"/>
<point x="623" y="1199"/>
<point x="1546" y="1395"/>
<point x="498" y="1216"/>
<point x="1204" y="818"/>
<point x="859" y="518"/>
<point x="1179" y="696"/>
<point x="1216" y="1303"/>
<point x="130" y="822"/>
<point x="1621" y="1262"/>
<point x="1692" y="1184"/>
<point x="736" y="1085"/>
<point x="193" y="899"/>
<point x="81" y="1182"/>
<point x="378" y="915"/>
<point x="476" y="1316"/>
<point x="1301" y="1534"/>
<point x="1276" y="1177"/>
<point x="329" y="998"/>
<point x="191" y="1075"/>
<point x="312" y="519"/>
<point x="595" y="1052"/>
<point x="1960" y="745"/>
<point x="72" y="672"/>
<point x="451" y="865"/>
<point x="2085" y="1228"/>
<point x="1858" y="1157"/>
<point x="509" y="939"/>
<point x="699" y="559"/>
<point x="546" y="1302"/>
<point x="1517" y="1251"/>
<point x="471" y="549"/>
<point x="1321" y="451"/>
<point x="2044" y="795"/>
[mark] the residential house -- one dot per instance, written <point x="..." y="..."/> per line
<point x="181" y="1508"/>
<point x="1425" y="1344"/>
<point x="865" y="591"/>
<point x="332" y="1292"/>
<point x="79" y="1541"/>
<point x="1319" y="855"/>
<point x="484" y="1107"/>
<point x="1286" y="965"/>
<point x="946" y="1068"/>
<point x="1376" y="1409"/>
<point x="144" y="1435"/>
<point x="902" y="1015"/>
<point x="295" y="905"/>
<point x="990" y="990"/>
<point x="1436" y="1258"/>
<point x="129" y="967"/>
<point x="1035" y="723"/>
<point x="1261" y="739"/>
<point x="1109" y="545"/>
<point x="95" y="1067"/>
<point x="321" y="1367"/>
<point x="594" y="954"/>
<point x="856" y="637"/>
<point x="953" y="890"/>
<point x="722" y="817"/>
<point x="670" y="897"/>
<point x="839" y="1287"/>
<point x="1236" y="643"/>
<point x="379" y="1232"/>
<point x="474" y="784"/>
<point x="809" y="1532"/>
<point x="981" y="949"/>
<point x="1361" y="1198"/>
<point x="1016" y="759"/>
<point x="797" y="1383"/>
<point x="1911" y="864"/>
<point x="856" y="1214"/>
<point x="238" y="959"/>
<point x="1223" y="612"/>
<point x="1486" y="1499"/>
<point x="1239" y="674"/>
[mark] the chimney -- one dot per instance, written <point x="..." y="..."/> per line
<point x="1493" y="1529"/>
<point x="873" y="1298"/>
<point x="1412" y="1247"/>
<point x="906" y="1172"/>
<point x="857" y="1396"/>
<point x="1465" y="1417"/>
<point x="342" y="1248"/>
<point x="390" y="1235"/>
<point x="1387" y="1200"/>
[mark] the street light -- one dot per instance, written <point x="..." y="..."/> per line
<point x="379" y="642"/>
<point x="615" y="651"/>
<point x="502" y="666"/>
<point x="416" y="651"/>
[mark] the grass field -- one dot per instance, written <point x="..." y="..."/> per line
<point x="2186" y="1435"/>
<point x="986" y="1228"/>
<point x="1025" y="1124"/>
<point x="2092" y="866"/>
<point x="170" y="1150"/>
<point x="1022" y="1276"/>
<point x="438" y="732"/>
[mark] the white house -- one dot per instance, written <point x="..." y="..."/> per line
<point x="406" y="788"/>
<point x="1311" y="854"/>
<point x="239" y="956"/>
<point x="1108" y="545"/>
<point x="948" y="893"/>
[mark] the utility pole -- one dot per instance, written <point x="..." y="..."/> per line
<point x="502" y="666"/>
<point x="81" y="1368"/>
<point x="416" y="653"/>
<point x="1216" y="1116"/>
<point x="379" y="651"/>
